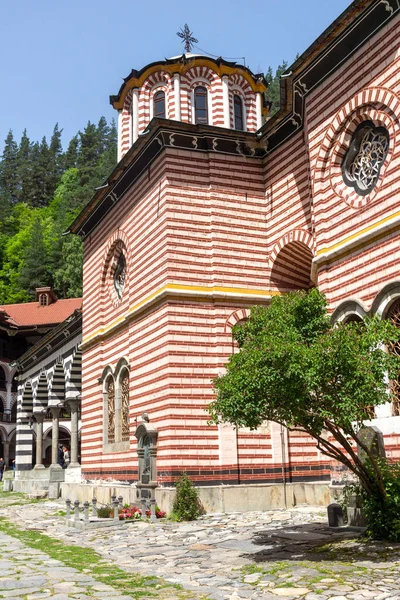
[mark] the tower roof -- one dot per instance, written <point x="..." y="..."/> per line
<point x="181" y="64"/>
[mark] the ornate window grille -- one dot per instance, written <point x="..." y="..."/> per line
<point x="394" y="316"/>
<point x="365" y="157"/>
<point x="119" y="275"/>
<point x="125" y="406"/>
<point x="110" y="411"/>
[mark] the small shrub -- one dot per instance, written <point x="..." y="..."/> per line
<point x="104" y="512"/>
<point x="186" y="505"/>
<point x="382" y="513"/>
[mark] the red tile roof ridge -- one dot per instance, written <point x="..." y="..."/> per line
<point x="33" y="314"/>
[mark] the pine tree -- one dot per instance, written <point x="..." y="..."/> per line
<point x="8" y="169"/>
<point x="34" y="272"/>
<point x="55" y="164"/>
<point x="70" y="158"/>
<point x="273" y="93"/>
<point x="88" y="155"/>
<point x="24" y="169"/>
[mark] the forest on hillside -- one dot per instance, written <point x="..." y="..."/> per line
<point x="42" y="189"/>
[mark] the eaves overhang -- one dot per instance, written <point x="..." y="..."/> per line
<point x="160" y="135"/>
<point x="181" y="64"/>
<point x="347" y="34"/>
<point x="51" y="342"/>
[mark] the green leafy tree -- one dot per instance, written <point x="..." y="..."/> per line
<point x="296" y="369"/>
<point x="68" y="276"/>
<point x="34" y="272"/>
<point x="41" y="192"/>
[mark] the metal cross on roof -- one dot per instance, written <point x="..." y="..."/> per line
<point x="187" y="37"/>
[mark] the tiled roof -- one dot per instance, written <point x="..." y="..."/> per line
<point x="31" y="313"/>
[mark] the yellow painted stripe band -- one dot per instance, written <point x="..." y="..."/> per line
<point x="188" y="289"/>
<point x="359" y="233"/>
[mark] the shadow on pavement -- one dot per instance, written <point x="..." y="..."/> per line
<point x="317" y="542"/>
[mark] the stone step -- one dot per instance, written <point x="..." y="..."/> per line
<point x="37" y="494"/>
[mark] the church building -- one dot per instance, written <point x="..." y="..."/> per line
<point x="215" y="207"/>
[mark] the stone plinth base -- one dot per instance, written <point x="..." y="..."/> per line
<point x="73" y="474"/>
<point x="228" y="498"/>
<point x="29" y="482"/>
<point x="94" y="523"/>
<point x="8" y="481"/>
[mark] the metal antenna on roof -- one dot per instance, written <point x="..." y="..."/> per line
<point x="187" y="37"/>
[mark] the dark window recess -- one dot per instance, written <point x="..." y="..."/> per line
<point x="119" y="275"/>
<point x="238" y="112"/>
<point x="159" y="105"/>
<point x="364" y="159"/>
<point x="200" y="105"/>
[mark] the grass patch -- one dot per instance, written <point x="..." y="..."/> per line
<point x="16" y="498"/>
<point x="91" y="563"/>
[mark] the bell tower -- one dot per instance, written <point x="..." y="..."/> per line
<point x="190" y="88"/>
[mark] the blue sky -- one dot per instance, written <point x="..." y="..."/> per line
<point x="61" y="59"/>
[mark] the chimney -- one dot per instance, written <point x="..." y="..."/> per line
<point x="45" y="296"/>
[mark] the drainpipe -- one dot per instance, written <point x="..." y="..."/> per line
<point x="283" y="465"/>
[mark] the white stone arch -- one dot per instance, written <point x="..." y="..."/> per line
<point x="385" y="298"/>
<point x="348" y="309"/>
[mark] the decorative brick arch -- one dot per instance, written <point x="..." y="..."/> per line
<point x="375" y="104"/>
<point x="57" y="392"/>
<point x="241" y="314"/>
<point x="118" y="238"/>
<point x="296" y="235"/>
<point x="42" y="392"/>
<point x="203" y="73"/>
<point x="159" y="77"/>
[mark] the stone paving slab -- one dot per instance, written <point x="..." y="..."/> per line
<point x="25" y="575"/>
<point x="275" y="554"/>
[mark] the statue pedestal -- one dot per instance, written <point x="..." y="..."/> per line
<point x="146" y="495"/>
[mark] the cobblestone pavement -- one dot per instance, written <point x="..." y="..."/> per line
<point x="265" y="555"/>
<point x="26" y="573"/>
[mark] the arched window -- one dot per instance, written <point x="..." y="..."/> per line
<point x="110" y="392"/>
<point x="200" y="105"/>
<point x="238" y="112"/>
<point x="124" y="391"/>
<point x="159" y="105"/>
